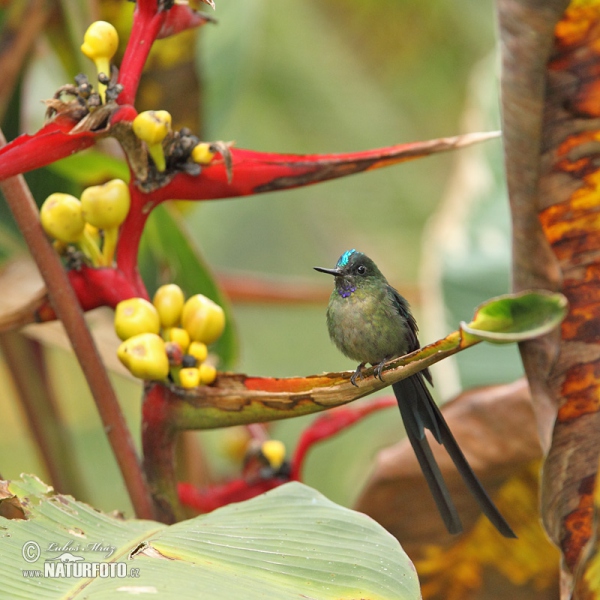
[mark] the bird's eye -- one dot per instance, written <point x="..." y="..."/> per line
<point x="361" y="269"/>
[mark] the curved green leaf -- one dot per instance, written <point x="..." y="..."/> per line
<point x="517" y="317"/>
<point x="91" y="167"/>
<point x="289" y="543"/>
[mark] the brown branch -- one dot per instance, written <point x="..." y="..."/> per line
<point x="27" y="371"/>
<point x="260" y="288"/>
<point x="25" y="22"/>
<point x="66" y="305"/>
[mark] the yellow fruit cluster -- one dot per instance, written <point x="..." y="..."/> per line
<point x="169" y="336"/>
<point x="90" y="223"/>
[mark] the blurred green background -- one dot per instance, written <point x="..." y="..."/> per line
<point x="318" y="77"/>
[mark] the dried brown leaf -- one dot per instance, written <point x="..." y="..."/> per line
<point x="495" y="427"/>
<point x="552" y="142"/>
<point x="23" y="292"/>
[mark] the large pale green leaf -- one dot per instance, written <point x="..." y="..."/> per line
<point x="287" y="544"/>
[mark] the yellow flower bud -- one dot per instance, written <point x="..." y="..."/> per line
<point x="177" y="335"/>
<point x="190" y="377"/>
<point x="169" y="301"/>
<point x="101" y="40"/>
<point x="274" y="452"/>
<point x="202" y="154"/>
<point x="106" y="206"/>
<point x="203" y="319"/>
<point x="152" y="126"/>
<point x="207" y="374"/>
<point x="145" y="357"/>
<point x="62" y="217"/>
<point x="198" y="350"/>
<point x="100" y="43"/>
<point x="135" y="316"/>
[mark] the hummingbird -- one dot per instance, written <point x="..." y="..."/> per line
<point x="370" y="322"/>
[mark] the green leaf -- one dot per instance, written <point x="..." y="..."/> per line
<point x="169" y="255"/>
<point x="66" y="36"/>
<point x="517" y="317"/>
<point x="91" y="167"/>
<point x="289" y="543"/>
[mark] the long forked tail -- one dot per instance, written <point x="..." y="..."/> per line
<point x="420" y="412"/>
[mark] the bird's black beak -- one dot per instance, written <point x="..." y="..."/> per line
<point x="334" y="272"/>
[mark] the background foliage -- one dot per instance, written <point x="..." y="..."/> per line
<point x="301" y="77"/>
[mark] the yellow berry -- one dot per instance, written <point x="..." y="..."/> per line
<point x="274" y="452"/>
<point x="135" y="316"/>
<point x="177" y="335"/>
<point x="100" y="43"/>
<point x="207" y="374"/>
<point x="198" y="350"/>
<point x="203" y="319"/>
<point x="169" y="301"/>
<point x="101" y="40"/>
<point x="189" y="377"/>
<point x="152" y="126"/>
<point x="202" y="154"/>
<point x="145" y="357"/>
<point x="62" y="217"/>
<point x="106" y="206"/>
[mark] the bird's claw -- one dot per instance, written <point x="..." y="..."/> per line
<point x="357" y="373"/>
<point x="379" y="368"/>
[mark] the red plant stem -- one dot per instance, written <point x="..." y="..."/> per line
<point x="131" y="234"/>
<point x="205" y="500"/>
<point x="68" y="310"/>
<point x="330" y="424"/>
<point x="246" y="287"/>
<point x="146" y="25"/>
<point x="28" y="152"/>
<point x="103" y="287"/>
<point x="158" y="445"/>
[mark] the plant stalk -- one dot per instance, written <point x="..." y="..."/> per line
<point x="68" y="310"/>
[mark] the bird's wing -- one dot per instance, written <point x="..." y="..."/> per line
<point x="402" y="306"/>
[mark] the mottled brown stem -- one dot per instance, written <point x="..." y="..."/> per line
<point x="66" y="305"/>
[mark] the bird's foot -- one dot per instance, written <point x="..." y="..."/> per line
<point x="378" y="369"/>
<point x="357" y="373"/>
